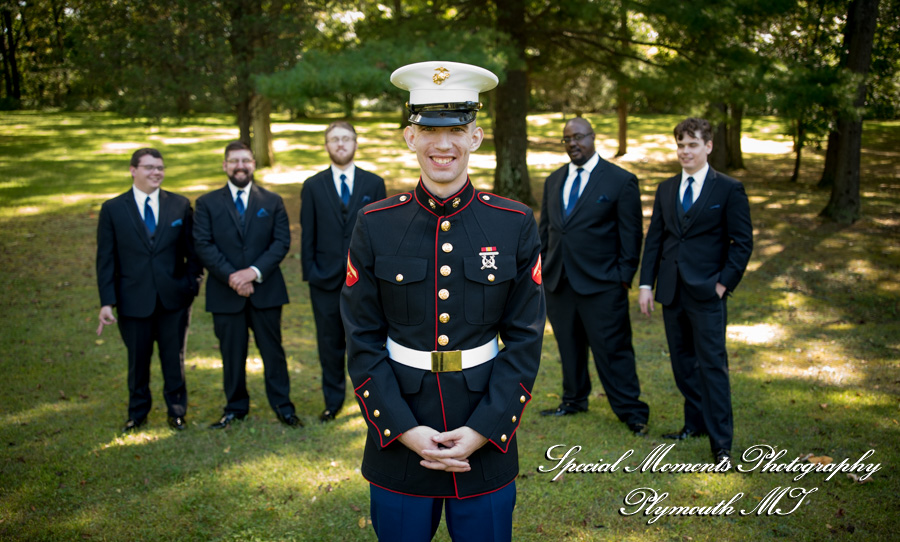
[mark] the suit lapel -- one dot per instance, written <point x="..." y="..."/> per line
<point x="253" y="206"/>
<point x="132" y="211"/>
<point x="700" y="204"/>
<point x="232" y="210"/>
<point x="165" y="217"/>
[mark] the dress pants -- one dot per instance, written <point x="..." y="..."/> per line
<point x="232" y="330"/>
<point x="169" y="330"/>
<point x="332" y="344"/>
<point x="485" y="518"/>
<point x="599" y="321"/>
<point x="695" y="331"/>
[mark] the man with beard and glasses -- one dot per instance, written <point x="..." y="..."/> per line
<point x="330" y="201"/>
<point x="242" y="233"/>
<point x="591" y="229"/>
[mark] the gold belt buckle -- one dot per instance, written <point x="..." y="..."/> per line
<point x="442" y="362"/>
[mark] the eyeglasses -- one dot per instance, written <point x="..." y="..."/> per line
<point x="343" y="139"/>
<point x="151" y="169"/>
<point x="576" y="138"/>
<point x="236" y="161"/>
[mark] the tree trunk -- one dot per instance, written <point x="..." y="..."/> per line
<point x="510" y="122"/>
<point x="15" y="78"/>
<point x="828" y="173"/>
<point x="844" y="204"/>
<point x="622" y="110"/>
<point x="718" y="158"/>
<point x="735" y="154"/>
<point x="261" y="140"/>
<point x="798" y="149"/>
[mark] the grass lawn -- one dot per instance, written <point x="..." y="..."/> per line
<point x="814" y="346"/>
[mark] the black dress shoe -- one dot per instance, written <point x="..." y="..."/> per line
<point x="291" y="419"/>
<point x="226" y="419"/>
<point x="684" y="434"/>
<point x="327" y="415"/>
<point x="177" y="423"/>
<point x="561" y="410"/>
<point x="639" y="429"/>
<point x="723" y="455"/>
<point x="132" y="425"/>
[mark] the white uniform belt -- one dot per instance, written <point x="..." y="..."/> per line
<point x="442" y="361"/>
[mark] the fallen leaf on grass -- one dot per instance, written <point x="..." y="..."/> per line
<point x="823" y="406"/>
<point x="856" y="479"/>
<point x="821" y="460"/>
<point x="361" y="523"/>
<point x="355" y="508"/>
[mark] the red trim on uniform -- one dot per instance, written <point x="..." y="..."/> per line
<point x="441" y="397"/>
<point x="442" y="497"/>
<point x="365" y="410"/>
<point x="501" y="208"/>
<point x="444" y="201"/>
<point x="509" y="440"/>
<point x="390" y="206"/>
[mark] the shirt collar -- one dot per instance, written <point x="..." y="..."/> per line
<point x="140" y="196"/>
<point x="234" y="189"/>
<point x="699" y="177"/>
<point x="587" y="166"/>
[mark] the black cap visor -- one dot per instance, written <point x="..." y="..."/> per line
<point x="449" y="114"/>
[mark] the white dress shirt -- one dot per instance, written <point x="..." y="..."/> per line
<point x="140" y="198"/>
<point x="336" y="177"/>
<point x="588" y="167"/>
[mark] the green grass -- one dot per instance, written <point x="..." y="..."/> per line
<point x="814" y="346"/>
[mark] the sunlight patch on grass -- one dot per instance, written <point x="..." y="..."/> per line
<point x="835" y="374"/>
<point x="118" y="147"/>
<point x="756" y="334"/>
<point x="757" y="146"/>
<point x="281" y="127"/>
<point x="204" y="363"/>
<point x="141" y="438"/>
<point x="29" y="210"/>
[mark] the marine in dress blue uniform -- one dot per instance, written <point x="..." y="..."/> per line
<point x="434" y="276"/>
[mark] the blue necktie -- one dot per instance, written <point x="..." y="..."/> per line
<point x="239" y="204"/>
<point x="573" y="193"/>
<point x="149" y="217"/>
<point x="688" y="198"/>
<point x="345" y="190"/>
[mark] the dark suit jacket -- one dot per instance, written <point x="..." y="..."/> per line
<point x="326" y="227"/>
<point x="224" y="247"/>
<point x="712" y="245"/>
<point x="599" y="244"/>
<point x="132" y="271"/>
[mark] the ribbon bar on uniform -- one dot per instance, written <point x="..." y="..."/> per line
<point x="442" y="361"/>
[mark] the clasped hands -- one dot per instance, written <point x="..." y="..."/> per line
<point x="242" y="281"/>
<point x="448" y="451"/>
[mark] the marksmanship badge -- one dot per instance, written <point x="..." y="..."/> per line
<point x="487" y="257"/>
<point x="442" y="75"/>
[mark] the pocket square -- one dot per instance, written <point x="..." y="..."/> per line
<point x="366" y="199"/>
<point x="176" y="223"/>
<point x="262" y="213"/>
<point x="602" y="199"/>
<point x="716" y="206"/>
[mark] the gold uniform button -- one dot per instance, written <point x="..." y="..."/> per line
<point x="387" y="432"/>
<point x="521" y="399"/>
<point x="399" y="277"/>
<point x="378" y="413"/>
<point x="366" y="394"/>
<point x="486" y="197"/>
<point x="444" y="294"/>
<point x="444" y="317"/>
<point x="445" y="225"/>
<point x="503" y="438"/>
<point x="445" y="270"/>
<point x="404" y="198"/>
<point x="491" y="277"/>
<point x="447" y="247"/>
<point x="443" y="340"/>
<point x="514" y="418"/>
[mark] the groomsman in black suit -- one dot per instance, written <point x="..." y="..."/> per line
<point x="698" y="245"/>
<point x="147" y="269"/>
<point x="242" y="234"/>
<point x="330" y="201"/>
<point x="591" y="228"/>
